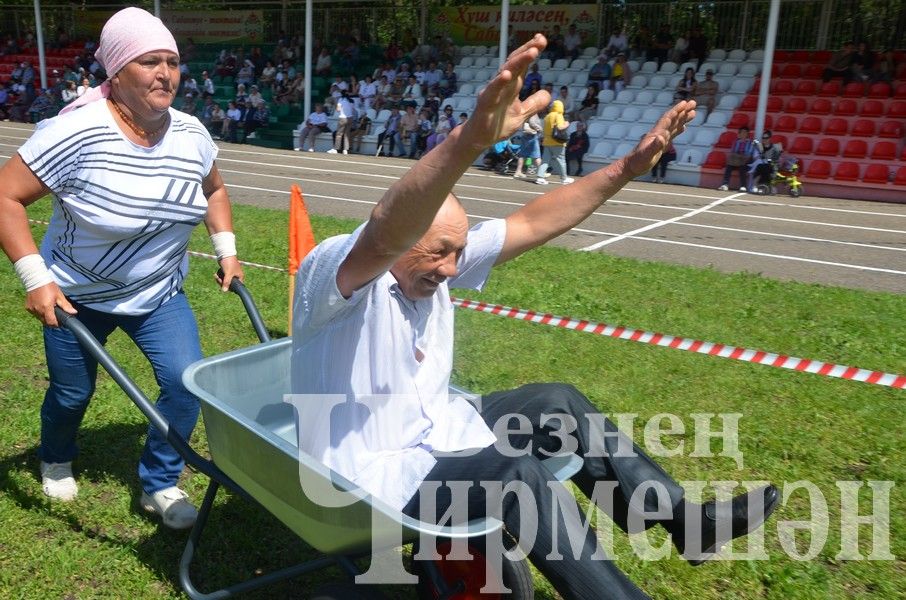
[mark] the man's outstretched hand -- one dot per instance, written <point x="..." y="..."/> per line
<point x="499" y="113"/>
<point x="648" y="151"/>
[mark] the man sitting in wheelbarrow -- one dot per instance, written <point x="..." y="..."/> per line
<point x="373" y="316"/>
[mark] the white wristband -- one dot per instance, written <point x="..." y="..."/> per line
<point x="32" y="271"/>
<point x="224" y="244"/>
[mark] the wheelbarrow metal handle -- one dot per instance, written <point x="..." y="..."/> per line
<point x="237" y="287"/>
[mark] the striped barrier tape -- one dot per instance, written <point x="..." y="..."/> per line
<point x="760" y="357"/>
<point x="658" y="339"/>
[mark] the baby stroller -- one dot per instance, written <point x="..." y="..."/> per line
<point x="501" y="158"/>
<point x="785" y="172"/>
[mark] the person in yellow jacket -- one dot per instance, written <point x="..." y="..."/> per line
<point x="554" y="150"/>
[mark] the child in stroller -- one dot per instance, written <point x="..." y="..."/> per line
<point x="501" y="157"/>
<point x="783" y="171"/>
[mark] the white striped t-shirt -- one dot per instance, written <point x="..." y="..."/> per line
<point x="122" y="213"/>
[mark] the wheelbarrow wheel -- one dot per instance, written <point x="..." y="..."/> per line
<point x="515" y="575"/>
<point x="344" y="590"/>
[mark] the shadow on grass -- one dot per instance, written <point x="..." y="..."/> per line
<point x="240" y="541"/>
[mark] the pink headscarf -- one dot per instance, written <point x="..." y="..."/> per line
<point x="127" y="35"/>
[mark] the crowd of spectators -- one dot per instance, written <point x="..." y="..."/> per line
<point x="860" y="63"/>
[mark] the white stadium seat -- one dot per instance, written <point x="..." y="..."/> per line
<point x="631" y="114"/>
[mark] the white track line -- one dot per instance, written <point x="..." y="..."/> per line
<point x="651" y="226"/>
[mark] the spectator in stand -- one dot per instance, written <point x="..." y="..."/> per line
<point x="215" y="126"/>
<point x="529" y="146"/>
<point x="207" y="110"/>
<point x="385" y="70"/>
<point x="368" y="91"/>
<point x="433" y="102"/>
<point x="268" y="74"/>
<point x="589" y="105"/>
<point x="315" y="123"/>
<point x="663" y="42"/>
<point x="620" y="74"/>
<point x="841" y="64"/>
<point x="555" y="45"/>
<point x="600" y="72"/>
<point x="28" y="81"/>
<point x="412" y="93"/>
<point x="739" y="158"/>
<point x="766" y="158"/>
<point x="409" y="132"/>
<point x="69" y="92"/>
<point x="535" y="86"/>
<point x="419" y="72"/>
<point x="433" y="75"/>
<point x="532" y="77"/>
<point x="554" y="150"/>
<point x="886" y="68"/>
<point x="345" y="116"/>
<point x="231" y="122"/>
<point x="617" y="43"/>
<point x="189" y="105"/>
<point x="396" y="89"/>
<point x="447" y="85"/>
<point x="225" y="66"/>
<point x="576" y="147"/>
<point x="324" y="64"/>
<point x="42" y="106"/>
<point x="572" y="43"/>
<point x="863" y="62"/>
<point x="705" y="92"/>
<point x="463" y="117"/>
<point x="190" y="86"/>
<point x="685" y="87"/>
<point x="391" y="133"/>
<point x="641" y="44"/>
<point x="330" y="101"/>
<point x="289" y="69"/>
<point x="698" y="46"/>
<point x="564" y="97"/>
<point x="250" y="119"/>
<point x="384" y="92"/>
<point x="445" y="124"/>
<point x="659" y="170"/>
<point x="293" y="93"/>
<point x="207" y="85"/>
<point x="350" y="55"/>
<point x="425" y="129"/>
<point x="360" y="127"/>
<point x="352" y="86"/>
<point x="242" y="99"/>
<point x="393" y="51"/>
<point x="680" y="48"/>
<point x="404" y="72"/>
<point x="86" y="85"/>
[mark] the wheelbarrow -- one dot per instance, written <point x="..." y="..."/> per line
<point x="253" y="443"/>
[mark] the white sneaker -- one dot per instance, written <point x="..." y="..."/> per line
<point x="567" y="180"/>
<point x="251" y="136"/>
<point x="743" y="189"/>
<point x="541" y="181"/>
<point x="311" y="149"/>
<point x="57" y="481"/>
<point x="332" y="151"/>
<point x="173" y="505"/>
<point x="518" y="176"/>
<point x="298" y="149"/>
<point x="345" y="151"/>
<point x="723" y="188"/>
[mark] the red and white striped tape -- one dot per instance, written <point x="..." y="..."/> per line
<point x="658" y="339"/>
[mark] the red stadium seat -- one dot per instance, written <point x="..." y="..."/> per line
<point x="891" y="129"/>
<point x="846" y="107"/>
<point x="900" y="91"/>
<point x="738" y="120"/>
<point x="855" y="149"/>
<point x="872" y="108"/>
<point x="802" y="145"/>
<point x="780" y="139"/>
<point x="879" y="90"/>
<point x="726" y="139"/>
<point x="715" y="160"/>
<point x="828" y="147"/>
<point x="847" y="171"/>
<point x="876" y="174"/>
<point x="791" y="71"/>
<point x="897" y="109"/>
<point x="830" y="89"/>
<point x="821" y="106"/>
<point x="750" y="103"/>
<point x="796" y="105"/>
<point x="863" y="128"/>
<point x="786" y="123"/>
<point x="810" y="125"/>
<point x="854" y="89"/>
<point x="836" y="126"/>
<point x="884" y="151"/>
<point x="813" y="71"/>
<point x="775" y="105"/>
<point x="784" y="56"/>
<point x="782" y="87"/>
<point x="900" y="178"/>
<point x="821" y="57"/>
<point x="806" y="87"/>
<point x="818" y="169"/>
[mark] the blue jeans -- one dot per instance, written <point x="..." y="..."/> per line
<point x="168" y="337"/>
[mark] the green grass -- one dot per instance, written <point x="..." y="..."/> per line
<point x="794" y="426"/>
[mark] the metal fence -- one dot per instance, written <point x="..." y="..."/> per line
<point x="804" y="24"/>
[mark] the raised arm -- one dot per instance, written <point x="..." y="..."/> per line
<point x="558" y="211"/>
<point x="407" y="209"/>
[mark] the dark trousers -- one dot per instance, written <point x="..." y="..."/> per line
<point x="743" y="172"/>
<point x="583" y="578"/>
<point x="576" y="156"/>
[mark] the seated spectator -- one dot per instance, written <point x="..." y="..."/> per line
<point x="617" y="43"/>
<point x="530" y="79"/>
<point x="685" y="87"/>
<point x="555" y="48"/>
<point x="841" y="64"/>
<point x="352" y="86"/>
<point x="620" y="74"/>
<point x="189" y="85"/>
<point x="567" y="100"/>
<point x="225" y="65"/>
<point x="255" y="103"/>
<point x="433" y="75"/>
<point x="207" y="84"/>
<point x="215" y="124"/>
<point x="766" y="158"/>
<point x="361" y="126"/>
<point x="258" y="119"/>
<point x="572" y="43"/>
<point x="863" y="62"/>
<point x="659" y="170"/>
<point x="535" y="86"/>
<point x="206" y="111"/>
<point x="886" y="68"/>
<point x="447" y="85"/>
<point x="315" y="123"/>
<point x="324" y="64"/>
<point x="69" y="93"/>
<point x="663" y="42"/>
<point x="432" y="103"/>
<point x="445" y="124"/>
<point x="705" y="92"/>
<point x="368" y="91"/>
<point x="268" y="74"/>
<point x="641" y="44"/>
<point x="391" y="133"/>
<point x="288" y="69"/>
<point x="231" y="122"/>
<point x="576" y="147"/>
<point x="600" y="72"/>
<point x="425" y="129"/>
<point x="349" y="57"/>
<point x="42" y="106"/>
<point x="739" y="158"/>
<point x="242" y="99"/>
<point x="189" y="105"/>
<point x="680" y="48"/>
<point x="463" y="117"/>
<point x="330" y="101"/>
<point x="698" y="46"/>
<point x="385" y="91"/>
<point x="84" y="87"/>
<point x="588" y="108"/>
<point x="4" y="101"/>
<point x="396" y="89"/>
<point x="412" y="93"/>
<point x="419" y="72"/>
